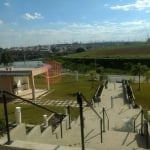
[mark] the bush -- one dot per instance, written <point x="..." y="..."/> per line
<point x="2" y="124"/>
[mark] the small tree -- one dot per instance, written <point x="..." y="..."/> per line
<point x="139" y="70"/>
<point x="92" y="76"/>
<point x="147" y="76"/>
<point x="2" y="125"/>
<point x="100" y="71"/>
<point x="80" y="49"/>
<point x="6" y="58"/>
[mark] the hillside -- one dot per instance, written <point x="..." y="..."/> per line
<point x="138" y="50"/>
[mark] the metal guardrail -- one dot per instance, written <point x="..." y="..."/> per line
<point x="105" y="114"/>
<point x="142" y="121"/>
<point x="146" y="133"/>
<point x="3" y="94"/>
<point x="144" y="127"/>
<point x="81" y="97"/>
<point x="97" y="95"/>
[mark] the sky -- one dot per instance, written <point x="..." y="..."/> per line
<point x="38" y="22"/>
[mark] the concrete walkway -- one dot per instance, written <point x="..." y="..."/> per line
<point x="120" y="134"/>
<point x="56" y="102"/>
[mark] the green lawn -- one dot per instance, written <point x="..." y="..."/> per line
<point x="139" y="50"/>
<point x="32" y="114"/>
<point x="68" y="87"/>
<point x="64" y="90"/>
<point x="142" y="97"/>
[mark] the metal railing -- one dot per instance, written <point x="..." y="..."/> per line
<point x="146" y="133"/>
<point x="105" y="114"/>
<point x="101" y="119"/>
<point x="3" y="95"/>
<point x="142" y="121"/>
<point x="81" y="97"/>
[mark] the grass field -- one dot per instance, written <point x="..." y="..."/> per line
<point x="66" y="89"/>
<point x="30" y="114"/>
<point x="140" y="50"/>
<point x="142" y="97"/>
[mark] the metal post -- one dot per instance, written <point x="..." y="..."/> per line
<point x="68" y="109"/>
<point x="6" y="120"/>
<point x="141" y="122"/>
<point x="134" y="125"/>
<point x="147" y="135"/>
<point x="79" y="100"/>
<point x="61" y="131"/>
<point x="101" y="134"/>
<point x="103" y="119"/>
<point x="112" y="103"/>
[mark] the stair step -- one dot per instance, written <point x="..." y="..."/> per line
<point x="19" y="132"/>
<point x="39" y="146"/>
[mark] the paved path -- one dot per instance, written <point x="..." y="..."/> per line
<point x="120" y="134"/>
<point x="71" y="103"/>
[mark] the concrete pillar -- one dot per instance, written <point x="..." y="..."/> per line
<point x="48" y="85"/>
<point x="47" y="78"/>
<point x="148" y="115"/>
<point x="45" y="121"/>
<point x="112" y="102"/>
<point x="33" y="87"/>
<point x="66" y="110"/>
<point x="28" y="83"/>
<point x="18" y="115"/>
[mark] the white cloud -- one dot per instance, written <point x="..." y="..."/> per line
<point x="1" y="22"/>
<point x="61" y="32"/>
<point x="33" y="16"/>
<point x="138" y="5"/>
<point x="7" y="4"/>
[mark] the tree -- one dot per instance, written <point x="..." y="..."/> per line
<point x="139" y="70"/>
<point x="80" y="49"/>
<point x="147" y="76"/>
<point x="2" y="126"/>
<point x="100" y="71"/>
<point x="6" y="58"/>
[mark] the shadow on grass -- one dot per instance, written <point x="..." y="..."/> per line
<point x="73" y="94"/>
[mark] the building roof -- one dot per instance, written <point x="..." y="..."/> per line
<point x="10" y="71"/>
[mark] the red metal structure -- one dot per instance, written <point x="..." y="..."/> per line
<point x="53" y="74"/>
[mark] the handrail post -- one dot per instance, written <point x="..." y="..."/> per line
<point x="108" y="124"/>
<point x="101" y="131"/>
<point x="147" y="135"/>
<point x="142" y="122"/>
<point x="69" y="115"/>
<point x="6" y="119"/>
<point x="61" y="130"/>
<point x="79" y="100"/>
<point x="103" y="119"/>
<point x="79" y="96"/>
<point x="134" y="125"/>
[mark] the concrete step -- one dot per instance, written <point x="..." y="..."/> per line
<point x="35" y="134"/>
<point x="117" y="140"/>
<point x="39" y="146"/>
<point x="18" y="133"/>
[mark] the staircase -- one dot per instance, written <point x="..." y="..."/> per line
<point x="119" y="135"/>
